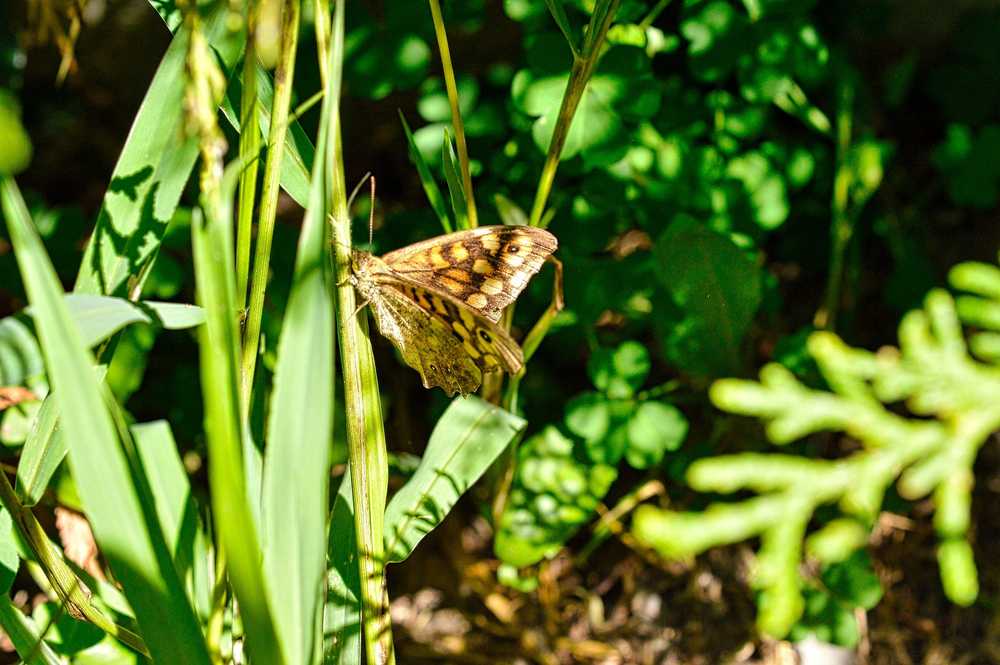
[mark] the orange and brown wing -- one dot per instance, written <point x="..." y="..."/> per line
<point x="484" y="268"/>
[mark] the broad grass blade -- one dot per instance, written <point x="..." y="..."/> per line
<point x="342" y="614"/>
<point x="122" y="518"/>
<point x="151" y="172"/>
<point x="465" y="441"/>
<point x="25" y="635"/>
<point x="296" y="482"/>
<point x="176" y="508"/>
<point x="218" y="338"/>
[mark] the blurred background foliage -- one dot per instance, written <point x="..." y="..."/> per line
<point x="739" y="174"/>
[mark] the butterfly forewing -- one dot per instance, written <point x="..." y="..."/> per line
<point x="484" y="268"/>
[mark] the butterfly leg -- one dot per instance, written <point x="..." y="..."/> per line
<point x="360" y="307"/>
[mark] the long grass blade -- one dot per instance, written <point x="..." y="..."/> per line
<point x="431" y="189"/>
<point x="235" y="524"/>
<point x="179" y="517"/>
<point x="342" y="613"/>
<point x="296" y="465"/>
<point x="25" y="635"/>
<point x="123" y="520"/>
<point x="151" y="172"/>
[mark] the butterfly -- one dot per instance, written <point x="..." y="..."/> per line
<point x="439" y="301"/>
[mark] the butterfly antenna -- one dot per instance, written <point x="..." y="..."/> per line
<point x="371" y="213"/>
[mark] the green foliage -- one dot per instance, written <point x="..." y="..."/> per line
<point x="560" y="479"/>
<point x="554" y="494"/>
<point x="695" y="192"/>
<point x="952" y="397"/>
<point x="15" y="145"/>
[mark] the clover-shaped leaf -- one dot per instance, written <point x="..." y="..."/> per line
<point x="653" y="429"/>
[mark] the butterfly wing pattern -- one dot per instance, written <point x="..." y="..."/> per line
<point x="443" y="318"/>
<point x="486" y="268"/>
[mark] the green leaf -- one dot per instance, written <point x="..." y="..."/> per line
<point x="764" y="186"/>
<point x="589" y="416"/>
<point x="176" y="509"/>
<point x="434" y="196"/>
<point x="112" y="494"/>
<point x="454" y="180"/>
<point x="559" y="14"/>
<point x="854" y="581"/>
<point x="152" y="170"/>
<point x="21" y="361"/>
<point x="43" y="452"/>
<point x="464" y="443"/>
<point x="300" y="427"/>
<point x="226" y="438"/>
<point x="15" y="144"/>
<point x="653" y="429"/>
<point x="717" y="289"/>
<point x="25" y="635"/>
<point x="555" y="492"/>
<point x="342" y="611"/>
<point x="619" y="372"/>
<point x="9" y="560"/>
<point x="99" y="317"/>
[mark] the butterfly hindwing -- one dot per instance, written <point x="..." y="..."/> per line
<point x="484" y="268"/>
<point x="450" y="345"/>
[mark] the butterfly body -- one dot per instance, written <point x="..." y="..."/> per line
<point x="439" y="301"/>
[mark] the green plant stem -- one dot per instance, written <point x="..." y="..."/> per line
<point x="70" y="589"/>
<point x="653" y="14"/>
<point x="365" y="435"/>
<point x="249" y="153"/>
<point x="842" y="223"/>
<point x="535" y="336"/>
<point x="269" y="198"/>
<point x="456" y="113"/>
<point x="216" y="620"/>
<point x="610" y="521"/>
<point x="579" y="76"/>
<point x="305" y="106"/>
<point x="321" y="18"/>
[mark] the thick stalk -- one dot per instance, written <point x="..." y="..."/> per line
<point x="456" y="113"/>
<point x="269" y="198"/>
<point x="365" y="435"/>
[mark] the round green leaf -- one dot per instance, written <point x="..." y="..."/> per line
<point x="589" y="416"/>
<point x="653" y="429"/>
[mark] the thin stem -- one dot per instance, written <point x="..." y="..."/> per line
<point x="842" y="226"/>
<point x="653" y="14"/>
<point x="249" y="154"/>
<point x="305" y="106"/>
<point x="456" y="113"/>
<point x="583" y="68"/>
<point x="269" y="199"/>
<point x="363" y="410"/>
<point x="610" y="522"/>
